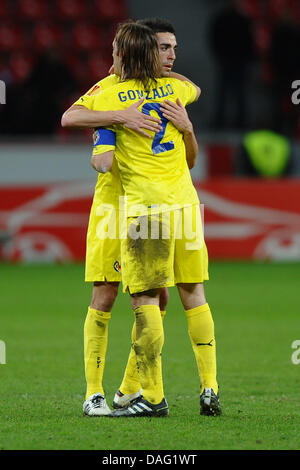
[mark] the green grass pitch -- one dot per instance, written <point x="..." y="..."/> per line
<point x="256" y="312"/>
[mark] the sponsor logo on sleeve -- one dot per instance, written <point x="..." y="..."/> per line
<point x="94" y="91"/>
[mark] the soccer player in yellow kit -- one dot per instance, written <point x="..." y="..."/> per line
<point x="103" y="256"/>
<point x="159" y="193"/>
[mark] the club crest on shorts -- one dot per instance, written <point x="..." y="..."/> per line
<point x="117" y="266"/>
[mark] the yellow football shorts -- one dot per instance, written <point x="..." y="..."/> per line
<point x="103" y="251"/>
<point x="162" y="250"/>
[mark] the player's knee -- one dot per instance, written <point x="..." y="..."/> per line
<point x="192" y="295"/>
<point x="104" y="296"/>
<point x="103" y="302"/>
<point x="149" y="297"/>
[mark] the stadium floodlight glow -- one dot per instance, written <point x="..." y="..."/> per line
<point x="296" y="94"/>
<point x="2" y="352"/>
<point x="2" y="92"/>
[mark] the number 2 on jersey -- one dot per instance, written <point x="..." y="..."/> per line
<point x="157" y="146"/>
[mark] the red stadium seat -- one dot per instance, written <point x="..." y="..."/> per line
<point x="87" y="37"/>
<point x="113" y="10"/>
<point x="33" y="9"/>
<point x="87" y="68"/>
<point x="20" y="65"/>
<point x="251" y="8"/>
<point x="78" y="67"/>
<point x="46" y="35"/>
<point x="11" y="37"/>
<point x="4" y="9"/>
<point x="262" y="37"/>
<point x="277" y="7"/>
<point x="98" y="66"/>
<point x="73" y="62"/>
<point x="110" y="33"/>
<point x="72" y="9"/>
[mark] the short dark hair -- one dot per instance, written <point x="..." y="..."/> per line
<point x="158" y="25"/>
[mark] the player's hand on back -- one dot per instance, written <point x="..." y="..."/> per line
<point x="139" y="122"/>
<point x="177" y="114"/>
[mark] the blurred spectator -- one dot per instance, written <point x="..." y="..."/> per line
<point x="35" y="105"/>
<point x="232" y="44"/>
<point x="50" y="83"/>
<point x="285" y="62"/>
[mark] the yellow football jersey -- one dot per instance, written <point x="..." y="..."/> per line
<point x="154" y="172"/>
<point x="88" y="98"/>
<point x="108" y="187"/>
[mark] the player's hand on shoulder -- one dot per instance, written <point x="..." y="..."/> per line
<point x="177" y="114"/>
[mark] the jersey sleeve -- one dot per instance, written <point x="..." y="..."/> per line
<point x="104" y="140"/>
<point x="188" y="92"/>
<point x="87" y="100"/>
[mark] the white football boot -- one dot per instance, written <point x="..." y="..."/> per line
<point x="210" y="403"/>
<point x="96" y="405"/>
<point x="122" y="401"/>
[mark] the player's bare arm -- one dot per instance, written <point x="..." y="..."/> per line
<point x="103" y="162"/>
<point x="80" y="117"/>
<point x="177" y="114"/>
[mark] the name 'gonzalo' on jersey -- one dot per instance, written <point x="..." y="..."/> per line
<point x="154" y="93"/>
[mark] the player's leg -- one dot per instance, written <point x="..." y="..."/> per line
<point x="96" y="333"/>
<point x="95" y="345"/>
<point x="149" y="343"/>
<point x="202" y="336"/>
<point x="191" y="270"/>
<point x="103" y="269"/>
<point x="148" y="348"/>
<point x="201" y="332"/>
<point x="130" y="387"/>
<point x="144" y="272"/>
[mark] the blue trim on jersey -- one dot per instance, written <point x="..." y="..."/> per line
<point x="104" y="136"/>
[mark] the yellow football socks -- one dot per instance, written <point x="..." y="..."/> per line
<point x="201" y="331"/>
<point x="131" y="382"/>
<point x="148" y="347"/>
<point x="95" y="345"/>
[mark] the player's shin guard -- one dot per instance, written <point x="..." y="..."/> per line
<point x="131" y="382"/>
<point x="201" y="331"/>
<point x="95" y="345"/>
<point x="148" y="347"/>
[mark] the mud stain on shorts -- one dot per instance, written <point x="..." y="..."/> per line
<point x="148" y="252"/>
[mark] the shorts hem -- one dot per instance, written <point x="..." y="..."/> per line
<point x="103" y="279"/>
<point x="192" y="281"/>
<point x="137" y="289"/>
